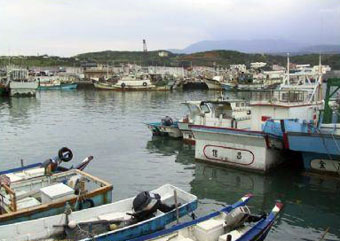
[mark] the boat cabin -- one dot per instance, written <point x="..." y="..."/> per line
<point x="222" y="113"/>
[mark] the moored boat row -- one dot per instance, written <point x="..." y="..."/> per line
<point x="47" y="201"/>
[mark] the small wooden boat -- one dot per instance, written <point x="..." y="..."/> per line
<point x="167" y="127"/>
<point x="50" y="166"/>
<point x="47" y="195"/>
<point x="108" y="222"/>
<point x="227" y="224"/>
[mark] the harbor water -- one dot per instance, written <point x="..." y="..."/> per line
<point x="110" y="126"/>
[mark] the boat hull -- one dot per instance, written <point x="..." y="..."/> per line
<point x="105" y="86"/>
<point x="188" y="136"/>
<point x="158" y="129"/>
<point x="236" y="148"/>
<point x="45" y="228"/>
<point x="69" y="86"/>
<point x="320" y="152"/>
<point x="23" y="88"/>
<point x="213" y="85"/>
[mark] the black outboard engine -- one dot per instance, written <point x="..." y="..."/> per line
<point x="64" y="155"/>
<point x="167" y="121"/>
<point x="146" y="204"/>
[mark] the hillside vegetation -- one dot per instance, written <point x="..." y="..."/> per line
<point x="208" y="58"/>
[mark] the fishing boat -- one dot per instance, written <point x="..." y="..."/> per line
<point x="68" y="86"/>
<point x="57" y="85"/>
<point x="234" y="222"/>
<point x="233" y="113"/>
<point x="228" y="85"/>
<point x="317" y="141"/>
<point x="115" y="222"/>
<point x="20" y="84"/>
<point x="253" y="149"/>
<point x="130" y="82"/>
<point x="167" y="127"/>
<point x="45" y="195"/>
<point x="214" y="83"/>
<point x="50" y="166"/>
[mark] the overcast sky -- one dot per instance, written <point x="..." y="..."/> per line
<point x="69" y="27"/>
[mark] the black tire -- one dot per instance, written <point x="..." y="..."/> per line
<point x="123" y="85"/>
<point x="145" y="84"/>
<point x="89" y="201"/>
<point x="65" y="154"/>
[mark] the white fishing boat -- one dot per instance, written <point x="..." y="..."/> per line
<point x="250" y="148"/>
<point x="20" y="84"/>
<point x="214" y="83"/>
<point x="216" y="113"/>
<point x="130" y="82"/>
<point x="116" y="221"/>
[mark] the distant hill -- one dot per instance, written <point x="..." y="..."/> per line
<point x="207" y="58"/>
<point x="271" y="46"/>
<point x="324" y="49"/>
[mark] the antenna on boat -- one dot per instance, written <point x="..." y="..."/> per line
<point x="288" y="77"/>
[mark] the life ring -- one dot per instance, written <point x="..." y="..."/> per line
<point x="65" y="154"/>
<point x="123" y="85"/>
<point x="145" y="84"/>
<point x="90" y="201"/>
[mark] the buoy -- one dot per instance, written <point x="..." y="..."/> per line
<point x="113" y="226"/>
<point x="72" y="224"/>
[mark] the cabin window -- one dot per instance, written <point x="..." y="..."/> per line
<point x="205" y="109"/>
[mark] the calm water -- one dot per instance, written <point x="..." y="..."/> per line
<point x="109" y="126"/>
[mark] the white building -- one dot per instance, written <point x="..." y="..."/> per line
<point x="163" y="54"/>
<point x="257" y="65"/>
<point x="239" y="67"/>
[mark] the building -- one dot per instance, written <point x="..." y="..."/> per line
<point x="257" y="65"/>
<point x="238" y="67"/>
<point x="163" y="54"/>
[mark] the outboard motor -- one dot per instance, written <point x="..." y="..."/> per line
<point x="64" y="155"/>
<point x="167" y="121"/>
<point x="146" y="204"/>
<point x="237" y="217"/>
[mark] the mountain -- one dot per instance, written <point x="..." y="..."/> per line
<point x="258" y="46"/>
<point x="324" y="49"/>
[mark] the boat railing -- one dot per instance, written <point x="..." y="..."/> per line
<point x="8" y="199"/>
<point x="284" y="96"/>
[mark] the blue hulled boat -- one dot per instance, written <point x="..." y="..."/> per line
<point x="317" y="141"/>
<point x="68" y="86"/>
<point x="319" y="146"/>
<point x="227" y="224"/>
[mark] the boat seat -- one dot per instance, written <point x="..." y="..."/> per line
<point x="27" y="203"/>
<point x="114" y="216"/>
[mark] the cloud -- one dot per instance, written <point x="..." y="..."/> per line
<point x="68" y="27"/>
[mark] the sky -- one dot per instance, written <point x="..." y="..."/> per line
<point x="70" y="27"/>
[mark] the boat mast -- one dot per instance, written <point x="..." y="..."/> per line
<point x="288" y="77"/>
